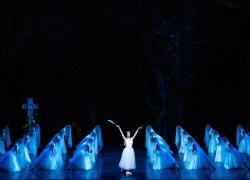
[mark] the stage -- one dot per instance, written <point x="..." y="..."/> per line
<point x="106" y="167"/>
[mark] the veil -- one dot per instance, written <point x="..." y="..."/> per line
<point x="38" y="139"/>
<point x="149" y="129"/>
<point x="206" y="135"/>
<point x="238" y="134"/>
<point x="85" y="139"/>
<point x="68" y="135"/>
<point x="178" y="135"/>
<point x="7" y="136"/>
<point x="98" y="132"/>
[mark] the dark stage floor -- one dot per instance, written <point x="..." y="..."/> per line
<point x="106" y="167"/>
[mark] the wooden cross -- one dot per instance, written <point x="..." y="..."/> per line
<point x="30" y="109"/>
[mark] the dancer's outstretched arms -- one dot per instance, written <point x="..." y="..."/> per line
<point x="121" y="132"/>
<point x="137" y="131"/>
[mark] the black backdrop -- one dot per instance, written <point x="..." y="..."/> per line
<point x="79" y="60"/>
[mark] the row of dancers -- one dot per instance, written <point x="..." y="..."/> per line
<point x="53" y="155"/>
<point x="220" y="150"/>
<point x="19" y="156"/>
<point x="158" y="151"/>
<point x="161" y="157"/>
<point x="85" y="155"/>
<point x="31" y="137"/>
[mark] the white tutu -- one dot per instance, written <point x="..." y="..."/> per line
<point x="127" y="161"/>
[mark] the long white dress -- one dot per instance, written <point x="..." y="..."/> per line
<point x="207" y="135"/>
<point x="233" y="158"/>
<point x="149" y="130"/>
<point x="189" y="155"/>
<point x="127" y="161"/>
<point x="24" y="156"/>
<point x="242" y="148"/>
<point x="81" y="158"/>
<point x="212" y="143"/>
<point x="180" y="136"/>
<point x="34" y="139"/>
<point x="98" y="138"/>
<point x="47" y="159"/>
<point x="198" y="158"/>
<point x="163" y="157"/>
<point x="88" y="139"/>
<point x="10" y="161"/>
<point x="220" y="150"/>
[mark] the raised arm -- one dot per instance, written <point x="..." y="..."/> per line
<point x="137" y="131"/>
<point x="121" y="132"/>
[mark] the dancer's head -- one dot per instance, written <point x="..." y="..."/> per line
<point x="57" y="139"/>
<point x="218" y="139"/>
<point x="189" y="138"/>
<point x="243" y="132"/>
<point x="228" y="146"/>
<point x="184" y="132"/>
<point x="62" y="131"/>
<point x="93" y="133"/>
<point x="153" y="139"/>
<point x="26" y="139"/>
<point x="52" y="147"/>
<point x="152" y="134"/>
<point x="5" y="127"/>
<point x="16" y="148"/>
<point x="128" y="133"/>
<point x="32" y="131"/>
<point x="91" y="139"/>
<point x="20" y="141"/>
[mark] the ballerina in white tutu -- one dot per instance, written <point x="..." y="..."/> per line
<point x="127" y="161"/>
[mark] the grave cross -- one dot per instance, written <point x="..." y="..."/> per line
<point x="30" y="108"/>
